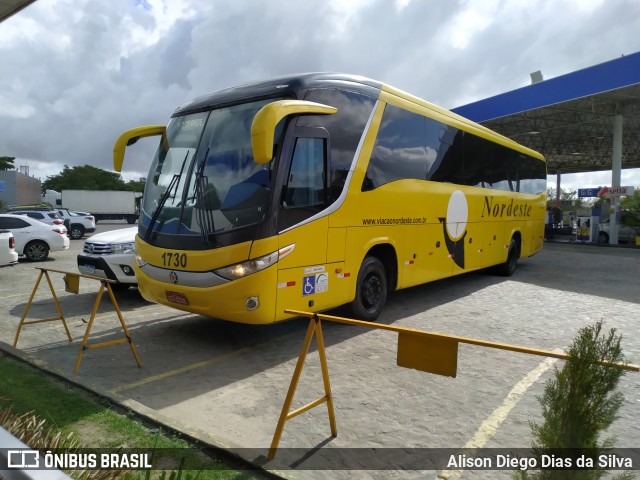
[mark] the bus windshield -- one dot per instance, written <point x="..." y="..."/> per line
<point x="203" y="179"/>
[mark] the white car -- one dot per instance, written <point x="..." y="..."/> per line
<point x="8" y="254"/>
<point x="110" y="255"/>
<point x="78" y="223"/>
<point x="45" y="216"/>
<point x="35" y="239"/>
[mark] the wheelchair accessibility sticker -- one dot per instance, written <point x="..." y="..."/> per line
<point x="317" y="283"/>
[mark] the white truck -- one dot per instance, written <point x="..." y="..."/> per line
<point x="103" y="204"/>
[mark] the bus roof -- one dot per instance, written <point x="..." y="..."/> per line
<point x="297" y="85"/>
<point x="285" y="85"/>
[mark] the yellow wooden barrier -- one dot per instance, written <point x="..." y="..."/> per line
<point x="426" y="351"/>
<point x="72" y="285"/>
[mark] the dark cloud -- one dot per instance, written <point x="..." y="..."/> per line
<point x="177" y="60"/>
<point x="78" y="73"/>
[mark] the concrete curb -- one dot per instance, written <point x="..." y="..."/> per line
<point x="226" y="449"/>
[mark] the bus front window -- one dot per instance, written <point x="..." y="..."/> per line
<point x="204" y="179"/>
<point x="162" y="202"/>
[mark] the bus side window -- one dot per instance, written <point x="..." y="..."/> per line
<point x="400" y="149"/>
<point x="305" y="185"/>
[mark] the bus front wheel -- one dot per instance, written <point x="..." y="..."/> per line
<point x="371" y="290"/>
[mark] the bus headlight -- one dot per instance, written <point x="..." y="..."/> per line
<point x="139" y="260"/>
<point x="239" y="270"/>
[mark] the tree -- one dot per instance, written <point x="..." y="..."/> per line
<point x="136" y="185"/>
<point x="87" y="177"/>
<point x="579" y="404"/>
<point x="6" y="163"/>
<point x="568" y="194"/>
<point x="630" y="205"/>
<point x="565" y="194"/>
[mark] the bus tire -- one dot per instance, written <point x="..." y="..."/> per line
<point x="371" y="290"/>
<point x="507" y="268"/>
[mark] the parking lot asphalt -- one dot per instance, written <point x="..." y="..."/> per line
<point x="224" y="384"/>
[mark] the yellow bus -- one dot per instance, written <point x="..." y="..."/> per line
<point x="314" y="191"/>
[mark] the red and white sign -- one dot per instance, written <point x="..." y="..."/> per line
<point x="619" y="191"/>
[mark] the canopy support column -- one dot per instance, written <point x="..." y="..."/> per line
<point x="616" y="173"/>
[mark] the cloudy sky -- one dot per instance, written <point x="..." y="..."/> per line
<point x="77" y="73"/>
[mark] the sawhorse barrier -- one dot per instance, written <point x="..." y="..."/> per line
<point x="72" y="285"/>
<point x="429" y="352"/>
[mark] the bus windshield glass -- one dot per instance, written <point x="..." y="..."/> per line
<point x="203" y="179"/>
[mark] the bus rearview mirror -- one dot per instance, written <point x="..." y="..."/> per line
<point x="265" y="121"/>
<point x="129" y="138"/>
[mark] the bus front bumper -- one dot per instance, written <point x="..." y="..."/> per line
<point x="251" y="299"/>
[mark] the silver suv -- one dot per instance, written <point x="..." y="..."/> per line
<point x="110" y="255"/>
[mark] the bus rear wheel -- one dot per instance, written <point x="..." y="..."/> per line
<point x="371" y="290"/>
<point x="509" y="267"/>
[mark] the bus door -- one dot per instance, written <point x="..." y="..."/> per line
<point x="303" y="276"/>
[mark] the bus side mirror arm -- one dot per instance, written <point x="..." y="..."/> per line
<point x="129" y="138"/>
<point x="265" y="121"/>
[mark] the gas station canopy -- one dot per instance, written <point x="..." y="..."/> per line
<point x="570" y="119"/>
<point x="9" y="7"/>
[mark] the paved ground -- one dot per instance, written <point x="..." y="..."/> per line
<point x="225" y="383"/>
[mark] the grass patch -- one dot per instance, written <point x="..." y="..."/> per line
<point x="93" y="422"/>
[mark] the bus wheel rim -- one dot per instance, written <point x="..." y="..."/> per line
<point x="371" y="291"/>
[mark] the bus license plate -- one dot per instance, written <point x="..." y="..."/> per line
<point x="176" y="297"/>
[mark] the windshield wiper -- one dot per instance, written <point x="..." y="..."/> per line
<point x="204" y="215"/>
<point x="175" y="181"/>
<point x="173" y="184"/>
